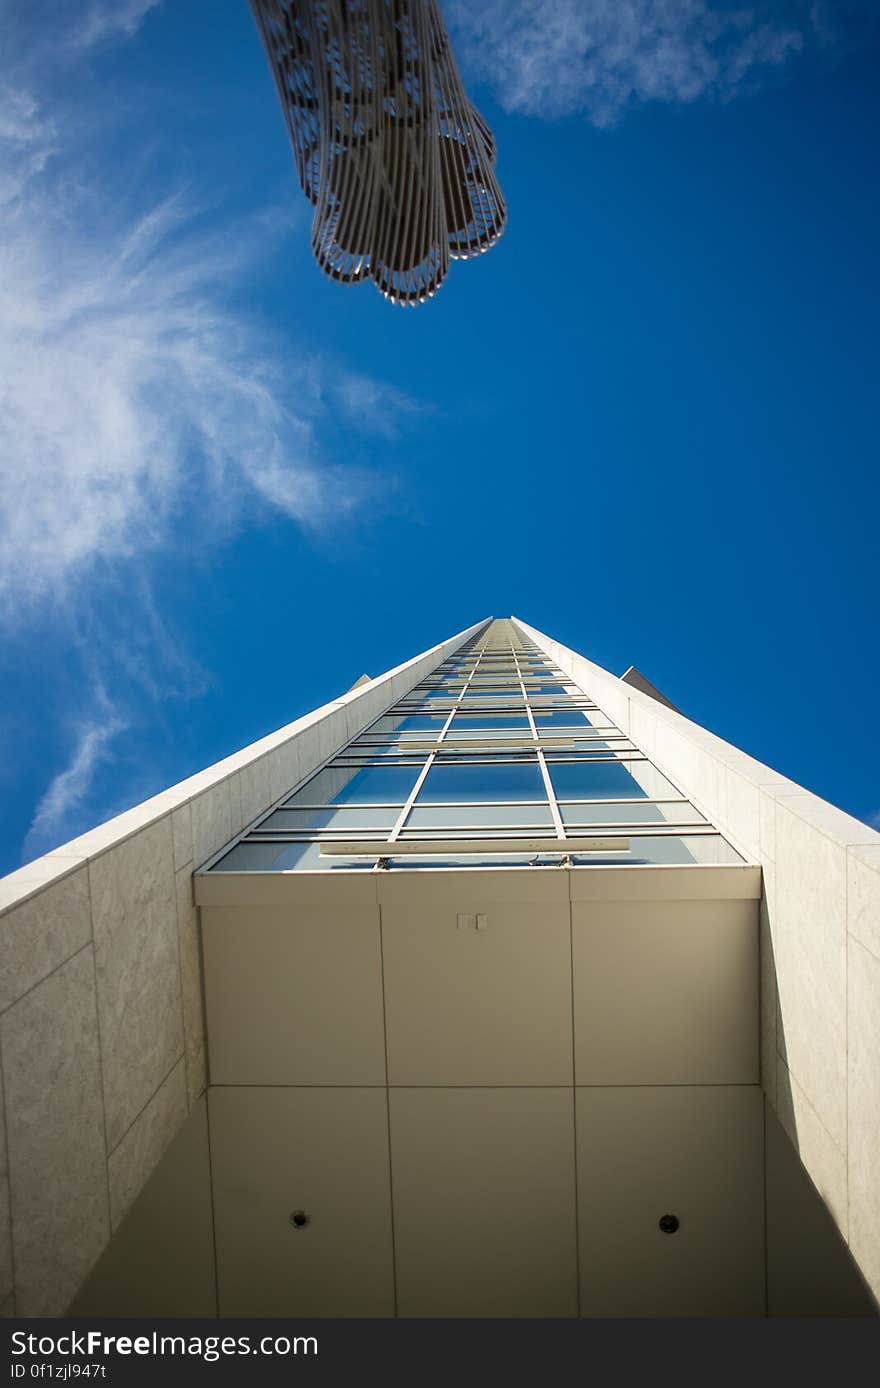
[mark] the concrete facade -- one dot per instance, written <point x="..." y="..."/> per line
<point x="820" y="944"/>
<point x="102" y="1043"/>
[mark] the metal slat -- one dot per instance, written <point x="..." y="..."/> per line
<point x="418" y="848"/>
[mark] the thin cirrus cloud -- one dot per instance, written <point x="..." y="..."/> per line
<point x="103" y="19"/>
<point x="555" y="58"/>
<point x="58" y="806"/>
<point x="129" y="381"/>
<point x="128" y="386"/>
<point x="134" y="389"/>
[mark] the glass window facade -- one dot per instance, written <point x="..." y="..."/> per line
<point x="495" y="749"/>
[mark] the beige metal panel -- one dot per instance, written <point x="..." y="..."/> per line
<point x="484" y="1207"/>
<point x="666" y="882"/>
<point x="666" y="992"/>
<point x="693" y="1152"/>
<point x="294" y="889"/>
<point x="479" y="885"/>
<point x="324" y="1152"/>
<point x="294" y="996"/>
<point x="619" y="883"/>
<point x="477" y="992"/>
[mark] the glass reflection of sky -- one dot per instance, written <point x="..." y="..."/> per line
<point x="593" y="781"/>
<point x="566" y="718"/>
<point x="474" y="721"/>
<point x="487" y="782"/>
<point x="378" y="785"/>
<point x="347" y="817"/>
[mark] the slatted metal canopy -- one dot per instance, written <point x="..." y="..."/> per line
<point x="399" y="165"/>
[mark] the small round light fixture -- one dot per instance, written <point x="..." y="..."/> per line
<point x="668" y="1223"/>
<point x="298" y="1219"/>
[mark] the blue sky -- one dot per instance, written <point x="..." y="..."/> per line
<point x="646" y="421"/>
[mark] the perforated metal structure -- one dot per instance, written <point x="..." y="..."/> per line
<point x="398" y="163"/>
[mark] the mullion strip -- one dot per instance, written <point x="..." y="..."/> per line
<point x="401" y="819"/>
<point x="548" y="785"/>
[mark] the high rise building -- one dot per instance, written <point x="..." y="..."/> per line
<point x="523" y="996"/>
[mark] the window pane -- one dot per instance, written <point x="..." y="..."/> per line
<point x="302" y="821"/>
<point x="284" y="857"/>
<point x="409" y="749"/>
<point x="479" y="835"/>
<point x="414" y="723"/>
<point x="509" y="741"/>
<point x="467" y="860"/>
<point x="456" y="816"/>
<point x="592" y="780"/>
<point x="380" y="785"/>
<point x="632" y="779"/>
<point x="558" y="718"/>
<point x="563" y="743"/>
<point x="487" y="782"/>
<point x="702" y="848"/>
<point x="377" y="785"/>
<point x="493" y="695"/>
<point x="645" y="813"/>
<point x="472" y="722"/>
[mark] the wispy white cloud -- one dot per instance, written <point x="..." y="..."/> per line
<point x="62" y="28"/>
<point x="598" y="57"/>
<point x="109" y="19"/>
<point x="129" y="663"/>
<point x="27" y="140"/>
<point x="134" y="395"/>
<point x="375" y="405"/>
<point x="56" y="816"/>
<point x="132" y="398"/>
